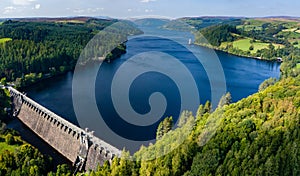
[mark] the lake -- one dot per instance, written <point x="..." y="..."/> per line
<point x="242" y="77"/>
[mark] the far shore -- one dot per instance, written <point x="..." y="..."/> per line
<point x="234" y="54"/>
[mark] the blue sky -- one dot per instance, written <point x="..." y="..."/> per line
<point x="138" y="8"/>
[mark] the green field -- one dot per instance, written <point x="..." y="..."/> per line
<point x="244" y="44"/>
<point x="290" y="30"/>
<point x="297" y="45"/>
<point x="3" y="40"/>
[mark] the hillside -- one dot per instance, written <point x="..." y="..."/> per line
<point x="262" y="38"/>
<point x="258" y="135"/>
<point x="33" y="49"/>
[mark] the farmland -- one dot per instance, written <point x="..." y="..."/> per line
<point x="247" y="43"/>
<point x="261" y="37"/>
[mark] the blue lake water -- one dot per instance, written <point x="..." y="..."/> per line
<point x="243" y="77"/>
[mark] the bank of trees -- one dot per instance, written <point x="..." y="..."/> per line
<point x="289" y="65"/>
<point x="4" y="104"/>
<point x="217" y="34"/>
<point x="267" y="33"/>
<point x="49" y="48"/>
<point x="259" y="135"/>
<point x="25" y="160"/>
<point x="19" y="158"/>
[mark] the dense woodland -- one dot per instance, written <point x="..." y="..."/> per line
<point x="39" y="49"/>
<point x="258" y="135"/>
<point x="215" y="35"/>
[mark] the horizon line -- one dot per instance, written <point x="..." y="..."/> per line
<point x="149" y="16"/>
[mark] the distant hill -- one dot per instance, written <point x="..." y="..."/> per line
<point x="151" y="22"/>
<point x="269" y="38"/>
<point x="81" y="19"/>
<point x="280" y="18"/>
<point x="203" y="22"/>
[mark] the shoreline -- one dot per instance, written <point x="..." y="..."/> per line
<point x="49" y="77"/>
<point x="233" y="54"/>
<point x="45" y="78"/>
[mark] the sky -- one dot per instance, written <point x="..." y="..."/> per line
<point x="148" y="8"/>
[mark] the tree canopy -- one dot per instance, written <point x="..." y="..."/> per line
<point x="38" y="49"/>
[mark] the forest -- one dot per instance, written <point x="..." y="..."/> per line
<point x="258" y="135"/>
<point x="39" y="49"/>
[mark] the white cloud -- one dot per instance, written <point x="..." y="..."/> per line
<point x="22" y="2"/>
<point x="129" y="10"/>
<point x="99" y="8"/>
<point x="88" y="10"/>
<point x="37" y="6"/>
<point x="9" y="9"/>
<point x="148" y="10"/>
<point x="79" y="11"/>
<point x="147" y="1"/>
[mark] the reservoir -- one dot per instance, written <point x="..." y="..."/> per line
<point x="242" y="78"/>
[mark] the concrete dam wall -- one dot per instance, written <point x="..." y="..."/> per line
<point x="85" y="150"/>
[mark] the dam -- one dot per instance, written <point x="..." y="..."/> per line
<point x="81" y="147"/>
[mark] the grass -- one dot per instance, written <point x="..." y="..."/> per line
<point x="251" y="24"/>
<point x="3" y="40"/>
<point x="298" y="66"/>
<point x="244" y="45"/>
<point x="289" y="30"/>
<point x="256" y="22"/>
<point x="297" y="45"/>
<point x="290" y="35"/>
